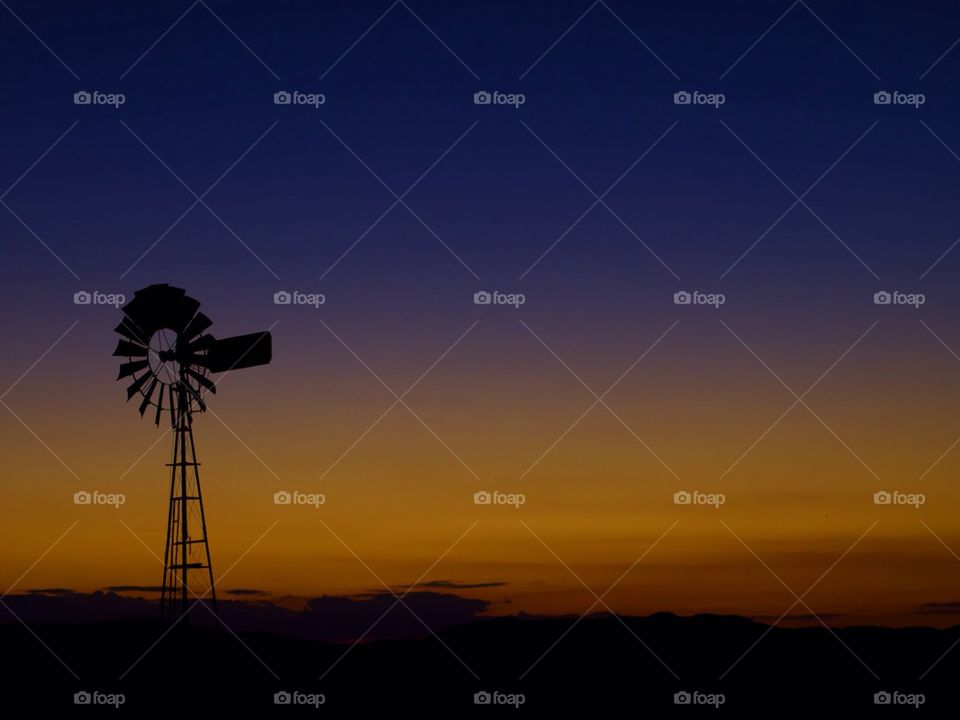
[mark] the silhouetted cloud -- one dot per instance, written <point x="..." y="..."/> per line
<point x="944" y="608"/>
<point x="326" y="618"/>
<point x="799" y="618"/>
<point x="133" y="588"/>
<point x="246" y="592"/>
<point x="50" y="591"/>
<point x="454" y="585"/>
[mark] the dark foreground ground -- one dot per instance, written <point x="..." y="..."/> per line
<point x="602" y="663"/>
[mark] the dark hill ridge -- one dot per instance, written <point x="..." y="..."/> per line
<point x="601" y="661"/>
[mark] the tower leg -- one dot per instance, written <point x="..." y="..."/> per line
<point x="187" y="550"/>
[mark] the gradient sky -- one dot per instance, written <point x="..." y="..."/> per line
<point x="885" y="417"/>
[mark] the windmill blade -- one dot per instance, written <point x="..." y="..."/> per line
<point x="196" y="396"/>
<point x="239" y="352"/>
<point x="149" y="394"/>
<point x="129" y="368"/>
<point x="173" y="412"/>
<point x="129" y="329"/>
<point x="135" y="386"/>
<point x="204" y="342"/>
<point x="156" y="419"/>
<point x="202" y="379"/>
<point x="125" y="348"/>
<point x="196" y="326"/>
<point x="182" y="312"/>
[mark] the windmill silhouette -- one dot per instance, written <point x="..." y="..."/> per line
<point x="170" y="356"/>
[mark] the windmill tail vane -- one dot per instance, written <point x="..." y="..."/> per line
<point x="170" y="356"/>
